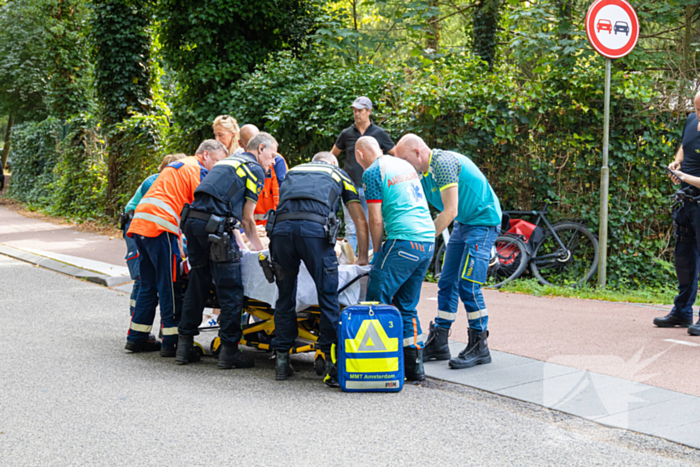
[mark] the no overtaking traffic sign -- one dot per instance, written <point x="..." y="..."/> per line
<point x="612" y="27"/>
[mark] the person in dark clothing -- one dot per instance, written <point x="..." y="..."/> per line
<point x="227" y="195"/>
<point x="686" y="226"/>
<point x="363" y="126"/>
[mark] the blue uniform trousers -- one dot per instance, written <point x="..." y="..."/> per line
<point x="292" y="242"/>
<point x="227" y="280"/>
<point x="133" y="261"/>
<point x="686" y="223"/>
<point x="160" y="284"/>
<point x="464" y="272"/>
<point x="396" y="278"/>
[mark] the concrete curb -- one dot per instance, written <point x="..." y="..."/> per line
<point x="57" y="266"/>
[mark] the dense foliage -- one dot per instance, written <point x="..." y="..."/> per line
<point x="210" y="45"/>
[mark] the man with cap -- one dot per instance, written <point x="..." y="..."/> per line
<point x="363" y="126"/>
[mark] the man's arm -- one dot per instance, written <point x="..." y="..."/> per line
<point x="248" y="222"/>
<point x="450" y="201"/>
<point x="392" y="151"/>
<point x="358" y="217"/>
<point x="335" y="151"/>
<point x="376" y="225"/>
<point x="676" y="164"/>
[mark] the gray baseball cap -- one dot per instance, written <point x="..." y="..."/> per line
<point x="362" y="102"/>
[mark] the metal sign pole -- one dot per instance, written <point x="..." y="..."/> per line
<point x="604" y="185"/>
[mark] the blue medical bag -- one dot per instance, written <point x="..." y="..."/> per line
<point x="370" y="348"/>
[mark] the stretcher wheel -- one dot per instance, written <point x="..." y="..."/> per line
<point x="216" y="346"/>
<point x="319" y="364"/>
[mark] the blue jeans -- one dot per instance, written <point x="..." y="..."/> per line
<point x="227" y="280"/>
<point x="133" y="260"/>
<point x="292" y="242"/>
<point x="396" y="278"/>
<point x="464" y="272"/>
<point x="350" y="230"/>
<point x="160" y="284"/>
<point x="686" y="223"/>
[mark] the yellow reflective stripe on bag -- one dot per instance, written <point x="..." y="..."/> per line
<point x="371" y="365"/>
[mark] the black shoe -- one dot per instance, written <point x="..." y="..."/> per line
<point x="167" y="352"/>
<point x="475" y="353"/>
<point x="413" y="364"/>
<point x="283" y="366"/>
<point x="672" y="320"/>
<point x="331" y="378"/>
<point x="437" y="345"/>
<point x="145" y="345"/>
<point x="185" y="349"/>
<point x="694" y="329"/>
<point x="230" y="356"/>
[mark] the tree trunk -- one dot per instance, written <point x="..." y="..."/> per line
<point x="8" y="134"/>
<point x="433" y="36"/>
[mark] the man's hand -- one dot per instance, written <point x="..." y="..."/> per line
<point x="675" y="165"/>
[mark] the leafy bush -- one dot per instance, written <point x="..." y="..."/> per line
<point x="80" y="176"/>
<point x="34" y="156"/>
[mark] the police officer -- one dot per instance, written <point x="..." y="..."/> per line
<point x="686" y="223"/>
<point x="227" y="196"/>
<point x="304" y="229"/>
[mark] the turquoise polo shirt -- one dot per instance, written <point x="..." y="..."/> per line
<point x="478" y="204"/>
<point x="395" y="183"/>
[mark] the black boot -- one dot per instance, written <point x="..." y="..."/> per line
<point x="186" y="353"/>
<point x="230" y="356"/>
<point x="672" y="320"/>
<point x="413" y="364"/>
<point x="694" y="329"/>
<point x="331" y="378"/>
<point x="150" y="344"/>
<point x="283" y="366"/>
<point x="475" y="353"/>
<point x="437" y="346"/>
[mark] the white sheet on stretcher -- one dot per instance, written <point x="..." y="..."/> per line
<point x="255" y="285"/>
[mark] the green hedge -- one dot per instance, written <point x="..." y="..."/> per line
<point x="536" y="140"/>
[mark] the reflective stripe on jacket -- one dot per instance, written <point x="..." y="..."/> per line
<point x="159" y="210"/>
<point x="269" y="198"/>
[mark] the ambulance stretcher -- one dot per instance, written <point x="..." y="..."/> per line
<point x="258" y="308"/>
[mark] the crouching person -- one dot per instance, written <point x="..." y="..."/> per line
<point x="226" y="197"/>
<point x="304" y="229"/>
<point x="398" y="205"/>
<point x="155" y="227"/>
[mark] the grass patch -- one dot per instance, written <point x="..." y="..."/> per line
<point x="657" y="296"/>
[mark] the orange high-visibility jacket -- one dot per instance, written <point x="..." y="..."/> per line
<point x="269" y="198"/>
<point x="159" y="209"/>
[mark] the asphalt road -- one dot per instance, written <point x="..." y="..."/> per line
<point x="69" y="395"/>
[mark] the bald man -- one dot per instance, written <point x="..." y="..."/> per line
<point x="686" y="225"/>
<point x="397" y="204"/>
<point x="455" y="186"/>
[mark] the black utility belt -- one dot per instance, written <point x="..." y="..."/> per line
<point x="331" y="224"/>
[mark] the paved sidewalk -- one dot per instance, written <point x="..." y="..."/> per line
<point x="602" y="361"/>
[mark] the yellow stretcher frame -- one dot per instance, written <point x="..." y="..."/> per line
<point x="308" y="327"/>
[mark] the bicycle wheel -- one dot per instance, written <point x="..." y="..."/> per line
<point x="439" y="260"/>
<point x="572" y="267"/>
<point x="509" y="258"/>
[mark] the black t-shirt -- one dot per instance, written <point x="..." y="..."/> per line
<point x="691" y="147"/>
<point x="346" y="141"/>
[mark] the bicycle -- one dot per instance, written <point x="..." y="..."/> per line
<point x="566" y="254"/>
